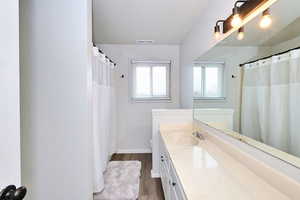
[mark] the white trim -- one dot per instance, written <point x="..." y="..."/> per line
<point x="150" y="64"/>
<point x="130" y="151"/>
<point x="170" y="114"/>
<point x="155" y="174"/>
<point x="210" y="98"/>
<point x="151" y="100"/>
<point x="209" y="62"/>
<point x="206" y="64"/>
<point x="151" y="61"/>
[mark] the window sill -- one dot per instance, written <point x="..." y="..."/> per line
<point x="210" y="98"/>
<point x="151" y="100"/>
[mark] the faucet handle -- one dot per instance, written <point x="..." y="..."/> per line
<point x="198" y="135"/>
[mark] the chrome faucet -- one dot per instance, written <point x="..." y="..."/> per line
<point x="198" y="135"/>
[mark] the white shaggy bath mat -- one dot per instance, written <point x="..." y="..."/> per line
<point x="121" y="181"/>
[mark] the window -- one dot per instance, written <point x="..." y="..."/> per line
<point x="208" y="80"/>
<point x="151" y="80"/>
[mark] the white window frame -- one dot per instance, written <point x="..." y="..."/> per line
<point x="204" y="65"/>
<point x="151" y="64"/>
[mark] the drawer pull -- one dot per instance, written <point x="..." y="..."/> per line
<point x="162" y="160"/>
<point x="174" y="184"/>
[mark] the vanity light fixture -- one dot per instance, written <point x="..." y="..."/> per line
<point x="217" y="32"/>
<point x="242" y="10"/>
<point x="236" y="20"/>
<point x="266" y="19"/>
<point x="218" y="29"/>
<point x="241" y="33"/>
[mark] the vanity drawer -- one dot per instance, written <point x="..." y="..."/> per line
<point x="173" y="194"/>
<point x="175" y="184"/>
<point x="171" y="185"/>
<point x="165" y="161"/>
<point x="165" y="180"/>
<point x="164" y="156"/>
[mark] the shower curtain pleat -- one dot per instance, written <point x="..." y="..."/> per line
<point x="98" y="180"/>
<point x="249" y="115"/>
<point x="103" y="122"/>
<point x="270" y="101"/>
<point x="279" y="98"/>
<point x="294" y="99"/>
<point x="113" y="124"/>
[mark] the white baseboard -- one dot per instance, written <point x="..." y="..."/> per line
<point x="123" y="151"/>
<point x="155" y="174"/>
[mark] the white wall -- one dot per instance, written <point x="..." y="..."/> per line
<point x="134" y="119"/>
<point x="286" y="45"/>
<point x="197" y="42"/>
<point x="55" y="103"/>
<point x="10" y="172"/>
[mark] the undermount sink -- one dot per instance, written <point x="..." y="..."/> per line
<point x="182" y="138"/>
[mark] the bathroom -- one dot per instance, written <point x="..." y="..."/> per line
<point x="139" y="99"/>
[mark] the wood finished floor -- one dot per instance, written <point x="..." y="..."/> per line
<point x="150" y="188"/>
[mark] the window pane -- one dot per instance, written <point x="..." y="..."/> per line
<point x="197" y="81"/>
<point x="143" y="82"/>
<point x="213" y="82"/>
<point x="159" y="76"/>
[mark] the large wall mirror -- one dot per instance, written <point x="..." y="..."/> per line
<point x="257" y="74"/>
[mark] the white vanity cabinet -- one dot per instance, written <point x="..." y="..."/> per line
<point x="170" y="182"/>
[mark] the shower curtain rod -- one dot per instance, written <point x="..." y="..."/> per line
<point x="110" y="60"/>
<point x="277" y="54"/>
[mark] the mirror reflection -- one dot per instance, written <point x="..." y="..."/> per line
<point x="255" y="72"/>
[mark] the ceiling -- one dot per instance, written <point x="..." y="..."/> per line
<point x="288" y="33"/>
<point x="285" y="26"/>
<point x="125" y="21"/>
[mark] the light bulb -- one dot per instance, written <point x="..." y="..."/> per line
<point x="240" y="36"/>
<point x="236" y="21"/>
<point x="217" y="35"/>
<point x="241" y="33"/>
<point x="217" y="32"/>
<point x="266" y="20"/>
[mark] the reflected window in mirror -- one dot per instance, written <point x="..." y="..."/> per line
<point x="209" y="81"/>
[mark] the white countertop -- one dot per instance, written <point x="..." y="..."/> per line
<point x="208" y="173"/>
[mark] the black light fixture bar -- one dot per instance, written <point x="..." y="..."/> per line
<point x="266" y="12"/>
<point x="236" y="8"/>
<point x="244" y="10"/>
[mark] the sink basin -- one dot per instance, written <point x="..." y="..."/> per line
<point x="182" y="138"/>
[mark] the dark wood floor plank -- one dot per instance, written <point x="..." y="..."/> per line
<point x="150" y="188"/>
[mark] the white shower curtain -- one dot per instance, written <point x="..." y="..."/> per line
<point x="103" y="116"/>
<point x="271" y="101"/>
